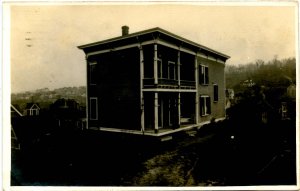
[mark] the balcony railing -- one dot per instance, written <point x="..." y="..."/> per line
<point x="148" y="82"/>
<point x="187" y="84"/>
<point x="169" y="83"/>
<point x="164" y="81"/>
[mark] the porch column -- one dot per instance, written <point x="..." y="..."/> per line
<point x="155" y="65"/>
<point x="156" y="112"/>
<point x="141" y="89"/>
<point x="179" y="108"/>
<point x="178" y="67"/>
<point x="197" y="90"/>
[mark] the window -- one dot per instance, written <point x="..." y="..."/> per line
<point x="264" y="117"/>
<point x="92" y="73"/>
<point x="204" y="105"/>
<point x="93" y="108"/>
<point x="216" y="93"/>
<point x="159" y="68"/>
<point x="203" y="74"/>
<point x="283" y="110"/>
<point x="34" y="112"/>
<point x="172" y="75"/>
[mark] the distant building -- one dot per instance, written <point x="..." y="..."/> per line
<point x="287" y="108"/>
<point x="248" y="83"/>
<point x="283" y="110"/>
<point x="68" y="113"/>
<point x="153" y="82"/>
<point x="291" y="91"/>
<point x="229" y="97"/>
<point x="32" y="109"/>
<point x="230" y="93"/>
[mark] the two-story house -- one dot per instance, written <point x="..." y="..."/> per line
<point x="153" y="82"/>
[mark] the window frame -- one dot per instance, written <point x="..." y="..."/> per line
<point x="159" y="68"/>
<point x="92" y="64"/>
<point x="203" y="74"/>
<point x="175" y="70"/>
<point x="96" y="109"/>
<point x="207" y="105"/>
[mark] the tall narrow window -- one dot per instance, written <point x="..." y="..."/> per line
<point x="216" y="93"/>
<point x="203" y="75"/>
<point x="93" y="108"/>
<point x="284" y="110"/>
<point x="205" y="105"/>
<point x="159" y="68"/>
<point x="172" y="72"/>
<point x="93" y="73"/>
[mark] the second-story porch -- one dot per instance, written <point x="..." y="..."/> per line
<point x="166" y="68"/>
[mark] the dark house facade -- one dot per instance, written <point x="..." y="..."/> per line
<point x="68" y="113"/>
<point x="16" y="115"/>
<point x="153" y="82"/>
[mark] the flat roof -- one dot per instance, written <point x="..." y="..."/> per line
<point x="157" y="29"/>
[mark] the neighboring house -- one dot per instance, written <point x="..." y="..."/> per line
<point x="229" y="97"/>
<point x="32" y="109"/>
<point x="14" y="112"/>
<point x="283" y="110"/>
<point x="153" y="82"/>
<point x="287" y="108"/>
<point x="15" y="116"/>
<point x="68" y="113"/>
<point x="291" y="91"/>
<point x="265" y="112"/>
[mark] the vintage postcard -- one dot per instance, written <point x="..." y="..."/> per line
<point x="151" y="95"/>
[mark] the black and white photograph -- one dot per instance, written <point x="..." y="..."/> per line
<point x="150" y="95"/>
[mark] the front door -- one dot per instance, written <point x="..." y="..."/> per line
<point x="167" y="110"/>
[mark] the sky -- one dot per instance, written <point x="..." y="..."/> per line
<point x="44" y="38"/>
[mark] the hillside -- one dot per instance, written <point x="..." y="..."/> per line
<point x="274" y="73"/>
<point x="45" y="97"/>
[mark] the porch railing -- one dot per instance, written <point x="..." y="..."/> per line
<point x="185" y="84"/>
<point x="165" y="83"/>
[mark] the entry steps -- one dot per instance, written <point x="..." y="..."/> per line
<point x="191" y="133"/>
<point x="166" y="138"/>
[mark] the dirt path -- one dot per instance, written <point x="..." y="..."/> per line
<point x="174" y="167"/>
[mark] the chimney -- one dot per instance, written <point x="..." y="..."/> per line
<point x="125" y="30"/>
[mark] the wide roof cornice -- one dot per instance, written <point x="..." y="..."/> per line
<point x="149" y="31"/>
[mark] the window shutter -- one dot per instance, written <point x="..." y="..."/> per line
<point x="201" y="105"/>
<point x="201" y="75"/>
<point x="93" y="108"/>
<point x="206" y="75"/>
<point x="216" y="92"/>
<point x="208" y="105"/>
